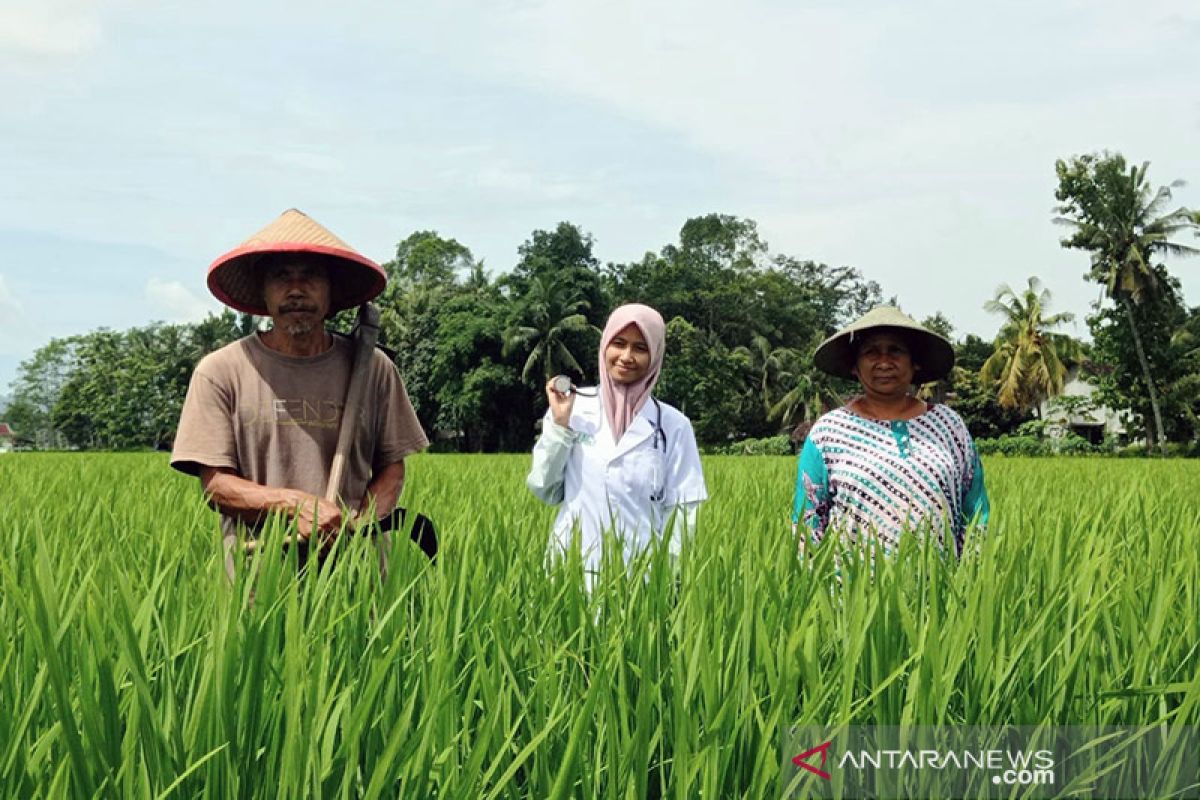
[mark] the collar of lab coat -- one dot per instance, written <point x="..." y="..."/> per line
<point x="641" y="429"/>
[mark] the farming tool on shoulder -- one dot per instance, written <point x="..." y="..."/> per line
<point x="366" y="333"/>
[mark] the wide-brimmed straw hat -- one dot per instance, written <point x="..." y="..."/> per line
<point x="930" y="352"/>
<point x="236" y="277"/>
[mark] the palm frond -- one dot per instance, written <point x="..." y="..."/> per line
<point x="565" y="358"/>
<point x="531" y="363"/>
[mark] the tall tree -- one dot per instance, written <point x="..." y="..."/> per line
<point x="1030" y="362"/>
<point x="1125" y="224"/>
<point x="1187" y="336"/>
<point x="975" y="401"/>
<point x="765" y="363"/>
<point x="557" y="268"/>
<point x="1118" y="375"/>
<point x="114" y="389"/>
<point x="704" y="279"/>
<point x="423" y="283"/>
<point x="217" y="330"/>
<point x="39" y="384"/>
<point x="1184" y="392"/>
<point x="480" y="399"/>
<point x="563" y="257"/>
<point x="938" y="323"/>
<point x="425" y="257"/>
<point x="126" y="388"/>
<point x="696" y="380"/>
<point x="722" y="279"/>
<point x="938" y="391"/>
<point x="549" y="314"/>
<point x="807" y="392"/>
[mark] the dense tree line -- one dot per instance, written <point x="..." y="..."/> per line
<point x="475" y="349"/>
<point x="742" y="322"/>
<point x="475" y="352"/>
<point x="106" y="389"/>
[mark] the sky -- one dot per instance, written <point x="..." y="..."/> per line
<point x="913" y="141"/>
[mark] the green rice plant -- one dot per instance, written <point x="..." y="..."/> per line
<point x="130" y="666"/>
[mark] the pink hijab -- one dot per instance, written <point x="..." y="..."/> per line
<point x="621" y="401"/>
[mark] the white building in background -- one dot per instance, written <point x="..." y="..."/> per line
<point x="6" y="438"/>
<point x="1090" y="420"/>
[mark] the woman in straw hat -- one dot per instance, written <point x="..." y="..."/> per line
<point x="887" y="462"/>
<point x="617" y="458"/>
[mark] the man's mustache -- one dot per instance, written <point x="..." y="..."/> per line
<point x="295" y="306"/>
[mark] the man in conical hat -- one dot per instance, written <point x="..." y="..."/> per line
<point x="261" y="421"/>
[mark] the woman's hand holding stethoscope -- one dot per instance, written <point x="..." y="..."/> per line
<point x="561" y="395"/>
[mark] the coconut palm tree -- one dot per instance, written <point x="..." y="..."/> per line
<point x="1187" y="337"/>
<point x="1121" y="220"/>
<point x="1030" y="361"/>
<point x="549" y="315"/>
<point x="765" y="363"/>
<point x="807" y="391"/>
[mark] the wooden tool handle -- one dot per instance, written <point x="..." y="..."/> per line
<point x="365" y="336"/>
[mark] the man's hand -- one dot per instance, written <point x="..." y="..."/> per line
<point x="316" y="513"/>
<point x="251" y="502"/>
<point x="560" y="404"/>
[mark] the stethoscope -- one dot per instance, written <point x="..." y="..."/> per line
<point x="562" y="384"/>
<point x="657" y="495"/>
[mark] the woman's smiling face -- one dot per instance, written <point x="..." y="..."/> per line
<point x="627" y="356"/>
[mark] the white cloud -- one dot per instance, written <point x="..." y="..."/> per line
<point x="172" y="300"/>
<point x="913" y="141"/>
<point x="731" y="79"/>
<point x="832" y="90"/>
<point x="311" y="162"/>
<point x="48" y="27"/>
<point x="504" y="176"/>
<point x="916" y="142"/>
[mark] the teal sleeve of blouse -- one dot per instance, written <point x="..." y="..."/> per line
<point x="810" y="502"/>
<point x="976" y="506"/>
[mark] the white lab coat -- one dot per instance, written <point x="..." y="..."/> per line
<point x="601" y="484"/>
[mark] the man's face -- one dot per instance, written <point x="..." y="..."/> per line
<point x="296" y="293"/>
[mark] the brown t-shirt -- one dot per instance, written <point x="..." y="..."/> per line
<point x="275" y="418"/>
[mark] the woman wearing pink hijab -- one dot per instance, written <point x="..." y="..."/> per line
<point x="616" y="459"/>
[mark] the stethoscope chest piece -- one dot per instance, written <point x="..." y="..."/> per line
<point x="562" y="384"/>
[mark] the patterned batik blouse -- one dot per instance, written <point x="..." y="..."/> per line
<point x="883" y="477"/>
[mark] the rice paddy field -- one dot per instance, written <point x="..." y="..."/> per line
<point x="130" y="666"/>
